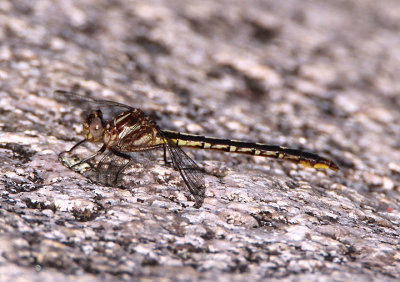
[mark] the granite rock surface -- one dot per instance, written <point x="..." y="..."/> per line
<point x="320" y="76"/>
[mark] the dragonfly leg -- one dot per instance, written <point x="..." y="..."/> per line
<point x="99" y="152"/>
<point x="125" y="156"/>
<point x="73" y="148"/>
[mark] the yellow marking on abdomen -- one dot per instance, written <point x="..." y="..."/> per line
<point x="219" y="147"/>
<point x="187" y="143"/>
<point x="269" y="154"/>
<point x="245" y="150"/>
<point x="321" y="165"/>
<point x="207" y="145"/>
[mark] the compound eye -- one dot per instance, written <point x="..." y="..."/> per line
<point x="96" y="127"/>
<point x="93" y="126"/>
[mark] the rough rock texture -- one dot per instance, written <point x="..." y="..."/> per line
<point x="316" y="75"/>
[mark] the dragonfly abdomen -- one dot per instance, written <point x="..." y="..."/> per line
<point x="250" y="148"/>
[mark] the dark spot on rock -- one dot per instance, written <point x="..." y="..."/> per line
<point x="151" y="46"/>
<point x="264" y="32"/>
<point x="84" y="215"/>
<point x="14" y="186"/>
<point x="149" y="261"/>
<point x="20" y="152"/>
<point x="39" y="205"/>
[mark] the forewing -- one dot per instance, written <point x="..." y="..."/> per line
<point x="192" y="174"/>
<point x="108" y="108"/>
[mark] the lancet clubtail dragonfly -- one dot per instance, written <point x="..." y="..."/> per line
<point x="123" y="129"/>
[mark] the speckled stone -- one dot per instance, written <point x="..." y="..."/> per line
<point x="315" y="75"/>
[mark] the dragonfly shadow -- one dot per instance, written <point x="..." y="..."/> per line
<point x="112" y="170"/>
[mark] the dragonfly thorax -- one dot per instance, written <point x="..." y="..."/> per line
<point x="93" y="126"/>
<point x="130" y="131"/>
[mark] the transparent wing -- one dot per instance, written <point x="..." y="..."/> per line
<point x="108" y="108"/>
<point x="192" y="174"/>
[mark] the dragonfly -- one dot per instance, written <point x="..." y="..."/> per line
<point x="123" y="130"/>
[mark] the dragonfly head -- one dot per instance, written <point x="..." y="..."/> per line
<point x="93" y="126"/>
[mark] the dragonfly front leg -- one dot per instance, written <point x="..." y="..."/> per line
<point x="99" y="152"/>
<point x="73" y="148"/>
<point x="122" y="155"/>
